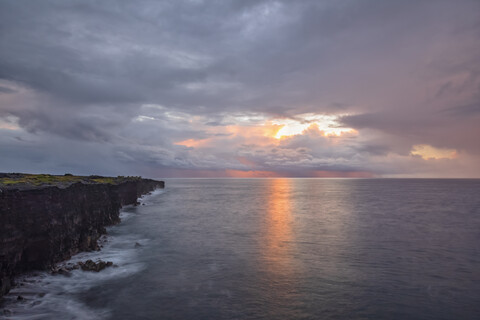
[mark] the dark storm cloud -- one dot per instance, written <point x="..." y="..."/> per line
<point x="237" y="54"/>
<point x="137" y="78"/>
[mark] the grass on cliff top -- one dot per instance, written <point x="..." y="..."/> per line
<point x="54" y="180"/>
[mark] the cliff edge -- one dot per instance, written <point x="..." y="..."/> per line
<point x="45" y="219"/>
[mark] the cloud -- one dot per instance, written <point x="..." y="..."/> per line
<point x="464" y="111"/>
<point x="133" y="81"/>
<point x="6" y="90"/>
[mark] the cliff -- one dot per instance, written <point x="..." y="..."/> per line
<point x="46" y="219"/>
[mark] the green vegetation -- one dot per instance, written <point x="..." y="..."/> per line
<point x="20" y="179"/>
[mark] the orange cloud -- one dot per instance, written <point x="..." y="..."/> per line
<point x="428" y="152"/>
<point x="259" y="135"/>
<point x="245" y="161"/>
<point x="271" y="132"/>
<point x="192" y="143"/>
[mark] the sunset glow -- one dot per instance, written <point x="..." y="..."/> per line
<point x="269" y="132"/>
<point x="429" y="152"/>
<point x="278" y="232"/>
<point x="191" y="143"/>
<point x="326" y="124"/>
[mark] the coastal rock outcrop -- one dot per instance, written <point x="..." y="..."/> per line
<point x="90" y="265"/>
<point x="43" y="225"/>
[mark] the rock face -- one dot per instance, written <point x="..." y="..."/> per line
<point x="44" y="225"/>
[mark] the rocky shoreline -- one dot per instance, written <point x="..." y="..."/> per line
<point x="47" y="219"/>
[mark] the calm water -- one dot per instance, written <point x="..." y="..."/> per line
<point x="280" y="249"/>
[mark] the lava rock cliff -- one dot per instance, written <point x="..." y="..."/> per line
<point x="43" y="225"/>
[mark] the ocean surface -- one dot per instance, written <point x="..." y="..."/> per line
<point x="278" y="249"/>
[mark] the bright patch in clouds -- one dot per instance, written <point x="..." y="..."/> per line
<point x="191" y="143"/>
<point x="260" y="130"/>
<point x="9" y="123"/>
<point x="325" y="123"/>
<point x="428" y="152"/>
<point x="142" y="118"/>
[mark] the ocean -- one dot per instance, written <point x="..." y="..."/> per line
<point x="278" y="249"/>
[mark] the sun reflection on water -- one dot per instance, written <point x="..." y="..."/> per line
<point x="278" y="233"/>
<point x="280" y="270"/>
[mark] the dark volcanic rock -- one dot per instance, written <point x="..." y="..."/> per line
<point x="45" y="225"/>
<point x="89" y="265"/>
<point x="62" y="270"/>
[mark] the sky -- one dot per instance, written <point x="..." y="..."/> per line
<point x="241" y="88"/>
